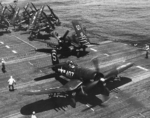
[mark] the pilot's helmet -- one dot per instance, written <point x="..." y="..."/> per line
<point x="71" y="62"/>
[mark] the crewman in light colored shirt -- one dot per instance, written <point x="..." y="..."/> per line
<point x="11" y="83"/>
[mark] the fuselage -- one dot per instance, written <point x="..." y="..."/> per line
<point x="75" y="72"/>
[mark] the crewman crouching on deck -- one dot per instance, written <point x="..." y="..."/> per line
<point x="147" y="49"/>
<point x="11" y="83"/>
<point x="33" y="115"/>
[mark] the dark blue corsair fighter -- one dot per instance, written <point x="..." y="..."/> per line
<point x="77" y="41"/>
<point x="82" y="79"/>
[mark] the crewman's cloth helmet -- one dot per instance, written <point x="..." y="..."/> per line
<point x="33" y="112"/>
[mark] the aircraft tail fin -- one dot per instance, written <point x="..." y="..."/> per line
<point x="1" y="5"/>
<point x="34" y="7"/>
<point x="81" y="33"/>
<point x="15" y="17"/>
<point x="54" y="57"/>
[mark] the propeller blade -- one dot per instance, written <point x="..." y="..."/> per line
<point x="87" y="87"/>
<point x="104" y="92"/>
<point x="73" y="102"/>
<point x="66" y="33"/>
<point x="73" y="99"/>
<point x="96" y="64"/>
<point x="92" y="84"/>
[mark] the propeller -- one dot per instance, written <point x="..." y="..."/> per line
<point x="96" y="64"/>
<point x="66" y="33"/>
<point x="61" y="38"/>
<point x="73" y="99"/>
<point x="100" y="81"/>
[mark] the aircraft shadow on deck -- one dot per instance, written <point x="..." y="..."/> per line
<point x="4" y="32"/>
<point x="45" y="105"/>
<point x="19" y="29"/>
<point x="43" y="37"/>
<point x="60" y="103"/>
<point x="115" y="84"/>
<point x="64" y="54"/>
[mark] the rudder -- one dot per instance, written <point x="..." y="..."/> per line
<point x="54" y="57"/>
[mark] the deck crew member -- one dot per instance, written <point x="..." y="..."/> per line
<point x="147" y="49"/>
<point x="33" y="115"/>
<point x="3" y="66"/>
<point x="11" y="83"/>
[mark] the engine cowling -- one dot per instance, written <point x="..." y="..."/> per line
<point x="98" y="76"/>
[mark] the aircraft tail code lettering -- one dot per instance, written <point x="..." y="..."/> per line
<point x="54" y="57"/>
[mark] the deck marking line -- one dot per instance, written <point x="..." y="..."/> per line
<point x="103" y="42"/>
<point x="25" y="42"/>
<point x="14" y="115"/>
<point x="92" y="109"/>
<point x="93" y="49"/>
<point x="14" y="51"/>
<point x="27" y="58"/>
<point x="90" y="45"/>
<point x="7" y="46"/>
<point x="89" y="107"/>
<point x="30" y="63"/>
<point x="41" y="71"/>
<point x="106" y="54"/>
<point x="142" y="115"/>
<point x="2" y="42"/>
<point x="140" y="67"/>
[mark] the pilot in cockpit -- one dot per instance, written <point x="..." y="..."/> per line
<point x="71" y="64"/>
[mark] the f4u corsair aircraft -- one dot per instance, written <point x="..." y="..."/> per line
<point x="77" y="42"/>
<point x="81" y="79"/>
<point x="4" y="23"/>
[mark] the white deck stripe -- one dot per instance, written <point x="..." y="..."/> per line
<point x="90" y="45"/>
<point x="31" y="63"/>
<point x="14" y="115"/>
<point x="27" y="58"/>
<point x="89" y="107"/>
<point x="41" y="71"/>
<point x="7" y="46"/>
<point x="140" y="67"/>
<point x="92" y="109"/>
<point x="14" y="51"/>
<point x="100" y="43"/>
<point x="106" y="54"/>
<point x="2" y="42"/>
<point x="93" y="49"/>
<point x="25" y="42"/>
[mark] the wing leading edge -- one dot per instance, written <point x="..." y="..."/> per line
<point x="70" y="86"/>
